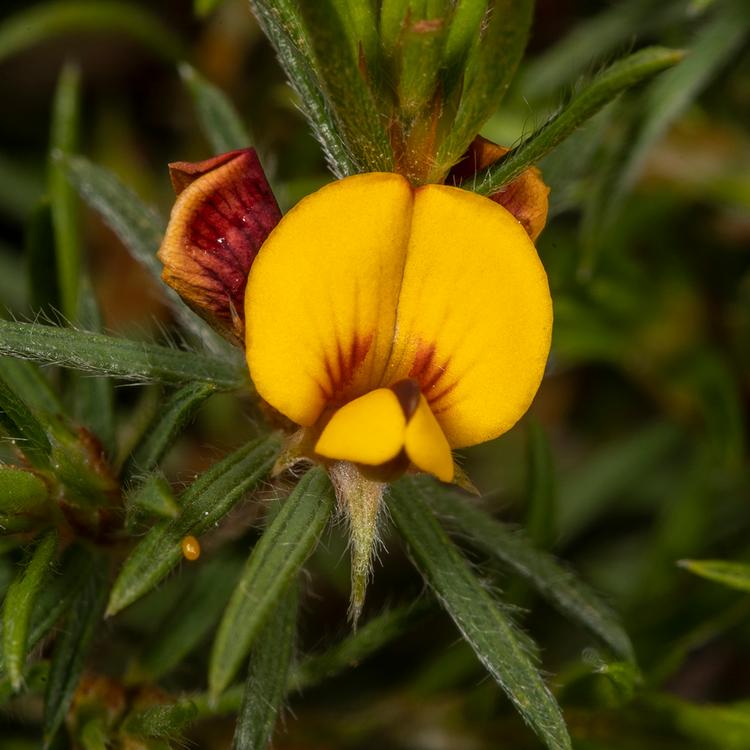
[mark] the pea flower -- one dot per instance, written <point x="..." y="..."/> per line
<point x="390" y="323"/>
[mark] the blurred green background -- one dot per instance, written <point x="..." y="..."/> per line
<point x="634" y="455"/>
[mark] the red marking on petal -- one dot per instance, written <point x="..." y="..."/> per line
<point x="430" y="374"/>
<point x="224" y="213"/>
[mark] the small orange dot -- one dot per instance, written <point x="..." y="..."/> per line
<point x="191" y="548"/>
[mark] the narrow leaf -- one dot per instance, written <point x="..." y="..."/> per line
<point x="41" y="264"/>
<point x="480" y="620"/>
<point x="154" y="496"/>
<point x="30" y="385"/>
<point x="55" y="596"/>
<point x="19" y="604"/>
<point x="179" y="634"/>
<point x="267" y="676"/>
<point x="22" y="425"/>
<point x="203" y="504"/>
<point x="220" y="122"/>
<point x="94" y="397"/>
<point x="175" y="414"/>
<point x="732" y="574"/>
<point x="556" y="584"/>
<point x="604" y="88"/>
<point x="273" y="563"/>
<point x="63" y="201"/>
<point x="117" y="357"/>
<point x="71" y="649"/>
<point x="21" y="491"/>
<point x="163" y="720"/>
<point x="47" y="20"/>
<point x="281" y="23"/>
<point x="355" y="110"/>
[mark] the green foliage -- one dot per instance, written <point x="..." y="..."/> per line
<point x="733" y="574"/>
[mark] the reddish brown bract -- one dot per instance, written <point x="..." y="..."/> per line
<point x="224" y="212"/>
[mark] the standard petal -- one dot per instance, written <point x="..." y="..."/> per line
<point x="369" y="430"/>
<point x="322" y="294"/>
<point x="426" y="444"/>
<point x="224" y="211"/>
<point x="474" y="314"/>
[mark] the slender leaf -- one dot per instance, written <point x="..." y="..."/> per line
<point x="47" y="20"/>
<point x="30" y="385"/>
<point x="55" y="596"/>
<point x="23" y="426"/>
<point x="281" y="23"/>
<point x="220" y="122"/>
<point x="161" y="720"/>
<point x="192" y="620"/>
<point x="19" y="604"/>
<point x="735" y="575"/>
<point x="267" y="676"/>
<point x="558" y="585"/>
<point x="137" y="226"/>
<point x="489" y="68"/>
<point x="480" y="620"/>
<point x="203" y="504"/>
<point x="94" y="397"/>
<point x="41" y="264"/>
<point x="154" y="496"/>
<point x="273" y="563"/>
<point x="603" y="89"/>
<point x="172" y="419"/>
<point x="63" y="201"/>
<point x="354" y="108"/>
<point x="116" y="357"/>
<point x="71" y="649"/>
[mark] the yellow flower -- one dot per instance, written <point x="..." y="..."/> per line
<point x="392" y="323"/>
<point x="398" y="319"/>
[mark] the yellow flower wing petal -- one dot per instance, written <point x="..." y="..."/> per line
<point x="321" y="297"/>
<point x="474" y="314"/>
<point x="426" y="444"/>
<point x="369" y="430"/>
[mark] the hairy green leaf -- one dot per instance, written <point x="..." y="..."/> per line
<point x="203" y="504"/>
<point x="161" y="720"/>
<point x="355" y="110"/>
<point x="171" y="420"/>
<point x="267" y="676"/>
<point x="479" y="618"/>
<point x="273" y="563"/>
<point x="23" y="426"/>
<point x="117" y="357"/>
<point x="71" y="649"/>
<point x="585" y="104"/>
<point x="154" y="497"/>
<point x="19" y="604"/>
<point x="21" y="491"/>
<point x="179" y="634"/>
<point x="281" y="23"/>
<point x="558" y="585"/>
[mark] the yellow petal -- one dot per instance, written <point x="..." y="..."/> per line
<point x="369" y="430"/>
<point x="474" y="314"/>
<point x="426" y="444"/>
<point x="321" y="297"/>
